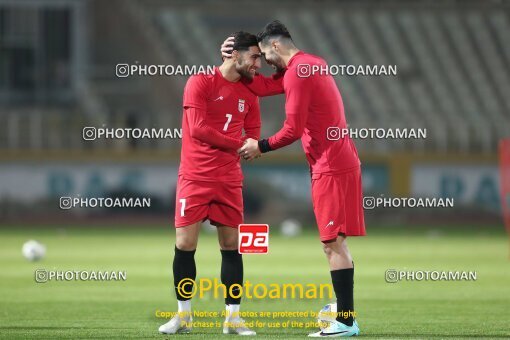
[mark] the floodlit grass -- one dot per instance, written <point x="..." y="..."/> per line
<point x="126" y="309"/>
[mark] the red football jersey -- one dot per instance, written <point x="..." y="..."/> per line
<point x="215" y="113"/>
<point x="313" y="105"/>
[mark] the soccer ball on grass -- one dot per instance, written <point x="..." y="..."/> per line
<point x="33" y="250"/>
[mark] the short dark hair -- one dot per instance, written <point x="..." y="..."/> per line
<point x="243" y="41"/>
<point x="274" y="29"/>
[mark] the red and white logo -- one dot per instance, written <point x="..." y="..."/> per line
<point x="253" y="238"/>
<point x="240" y="105"/>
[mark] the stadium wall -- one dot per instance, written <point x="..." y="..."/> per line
<point x="276" y="186"/>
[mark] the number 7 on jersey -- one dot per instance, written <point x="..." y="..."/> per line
<point x="229" y="119"/>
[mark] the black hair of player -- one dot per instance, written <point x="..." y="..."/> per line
<point x="243" y="41"/>
<point x="274" y="29"/>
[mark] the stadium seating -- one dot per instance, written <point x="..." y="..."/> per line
<point x="453" y="64"/>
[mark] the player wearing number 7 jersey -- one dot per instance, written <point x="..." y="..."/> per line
<point x="217" y="107"/>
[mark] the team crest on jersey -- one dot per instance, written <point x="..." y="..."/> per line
<point x="240" y="105"/>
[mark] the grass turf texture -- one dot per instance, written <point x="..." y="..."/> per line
<point x="127" y="309"/>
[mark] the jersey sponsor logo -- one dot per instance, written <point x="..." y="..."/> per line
<point x="253" y="238"/>
<point x="240" y="105"/>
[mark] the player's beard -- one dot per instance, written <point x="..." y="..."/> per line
<point x="243" y="70"/>
<point x="277" y="63"/>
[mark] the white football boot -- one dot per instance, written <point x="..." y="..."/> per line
<point x="237" y="326"/>
<point x="178" y="324"/>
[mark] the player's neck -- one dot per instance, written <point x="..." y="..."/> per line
<point x="292" y="52"/>
<point x="228" y="71"/>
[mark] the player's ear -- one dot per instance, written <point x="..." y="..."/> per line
<point x="275" y="44"/>
<point x="235" y="55"/>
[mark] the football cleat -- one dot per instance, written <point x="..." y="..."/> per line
<point x="335" y="329"/>
<point x="177" y="324"/>
<point x="237" y="326"/>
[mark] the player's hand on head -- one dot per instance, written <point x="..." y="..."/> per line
<point x="227" y="47"/>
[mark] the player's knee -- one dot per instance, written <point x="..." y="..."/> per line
<point x="186" y="244"/>
<point x="336" y="247"/>
<point x="228" y="243"/>
<point x="328" y="250"/>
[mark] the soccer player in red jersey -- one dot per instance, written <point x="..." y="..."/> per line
<point x="315" y="114"/>
<point x="217" y="108"/>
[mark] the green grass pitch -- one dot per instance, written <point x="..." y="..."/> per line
<point x="102" y="310"/>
